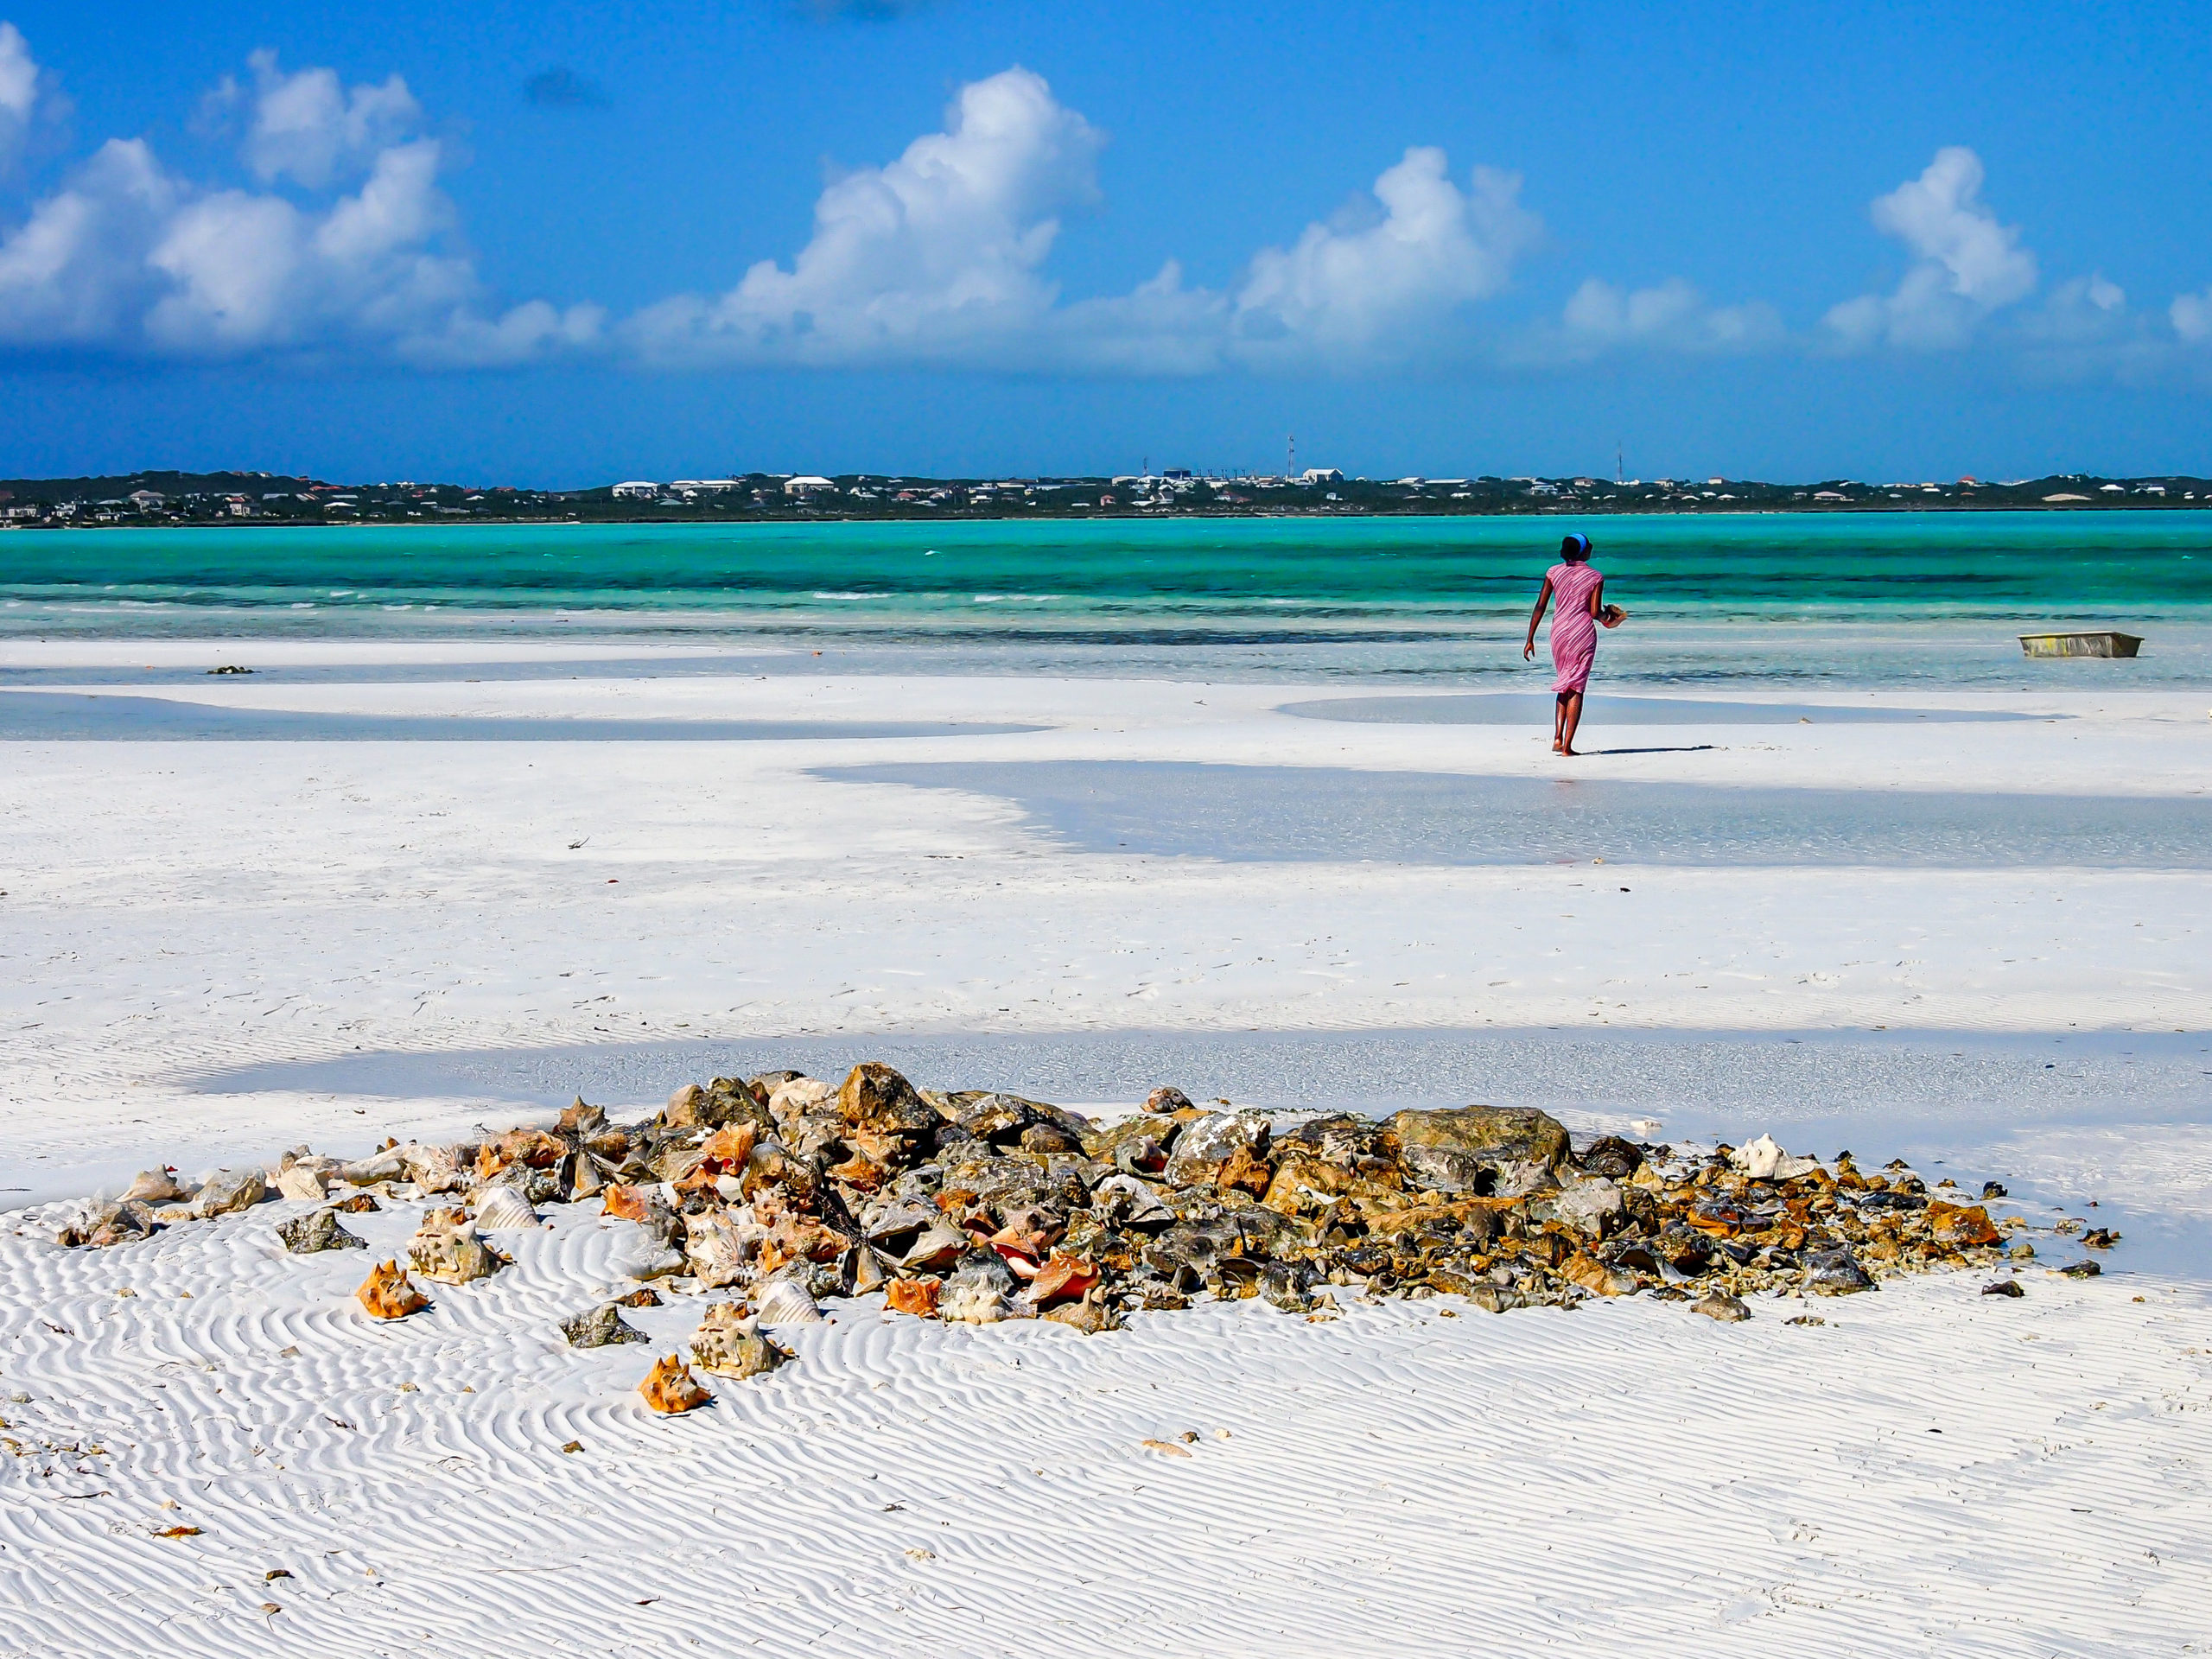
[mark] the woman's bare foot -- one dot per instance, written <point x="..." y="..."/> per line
<point x="1557" y="748"/>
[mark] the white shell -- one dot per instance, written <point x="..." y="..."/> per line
<point x="302" y="1184"/>
<point x="720" y="1247"/>
<point x="783" y="1302"/>
<point x="800" y="1095"/>
<point x="1763" y="1159"/>
<point x="965" y="1302"/>
<point x="154" y="1186"/>
<point x="502" y="1206"/>
<point x="435" y="1169"/>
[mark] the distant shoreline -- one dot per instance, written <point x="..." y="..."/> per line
<point x="909" y="515"/>
<point x="164" y="498"/>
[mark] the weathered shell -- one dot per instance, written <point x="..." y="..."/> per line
<point x="228" y="1191"/>
<point x="388" y="1294"/>
<point x="1506" y="1150"/>
<point x="154" y="1187"/>
<point x="729" y="1343"/>
<point x="670" y="1386"/>
<point x="1763" y="1159"/>
<point x="603" y="1326"/>
<point x="302" y="1183"/>
<point x="940" y="1246"/>
<point x="500" y="1206"/>
<point x="109" y="1224"/>
<point x="980" y="1292"/>
<point x="915" y="1296"/>
<point x="863" y="1271"/>
<point x="1717" y="1304"/>
<point x="721" y="1247"/>
<point x="1092" y="1315"/>
<point x="319" y="1229"/>
<point x="1588" y="1206"/>
<point x="798" y="1096"/>
<point x="435" y="1169"/>
<point x="1835" y="1273"/>
<point x="784" y="1301"/>
<point x="1131" y="1202"/>
<point x="1065" y="1277"/>
<point x="387" y="1166"/>
<point x="1596" y="1277"/>
<point x="1205" y="1145"/>
<point x="446" y="1250"/>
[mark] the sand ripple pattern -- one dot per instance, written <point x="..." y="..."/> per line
<point x="1929" y="1469"/>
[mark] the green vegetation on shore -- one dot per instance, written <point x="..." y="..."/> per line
<point x="176" y="498"/>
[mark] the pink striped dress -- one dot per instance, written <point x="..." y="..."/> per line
<point x="1574" y="630"/>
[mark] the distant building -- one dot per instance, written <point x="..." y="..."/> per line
<point x="704" y="485"/>
<point x="807" y="485"/>
<point x="146" y="500"/>
<point x="1321" y="475"/>
<point x="643" y="489"/>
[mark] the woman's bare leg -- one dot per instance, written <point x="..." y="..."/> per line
<point x="1570" y="710"/>
<point x="1558" y="723"/>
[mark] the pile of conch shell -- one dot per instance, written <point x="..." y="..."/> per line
<point x="976" y="1206"/>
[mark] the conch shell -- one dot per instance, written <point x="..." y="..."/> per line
<point x="447" y="1252"/>
<point x="302" y="1183"/>
<point x="670" y="1386"/>
<point x="388" y="1294"/>
<point x="154" y="1187"/>
<point x="915" y="1296"/>
<point x="502" y="1206"/>
<point x="1065" y="1277"/>
<point x="729" y="1344"/>
<point x="784" y="1301"/>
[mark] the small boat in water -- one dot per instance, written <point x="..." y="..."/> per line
<point x="2101" y="643"/>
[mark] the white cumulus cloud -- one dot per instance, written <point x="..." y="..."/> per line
<point x="2191" y="316"/>
<point x="939" y="256"/>
<point x="1966" y="264"/>
<point x="1360" y="289"/>
<point x="128" y="257"/>
<point x="309" y="128"/>
<point x="1670" y="316"/>
<point x="74" y="272"/>
<point x="19" y="86"/>
<point x="936" y="254"/>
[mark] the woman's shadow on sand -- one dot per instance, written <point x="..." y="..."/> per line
<point x="1682" y="749"/>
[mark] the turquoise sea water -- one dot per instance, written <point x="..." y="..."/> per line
<point x="1859" y="598"/>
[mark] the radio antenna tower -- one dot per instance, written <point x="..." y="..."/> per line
<point x="1290" y="460"/>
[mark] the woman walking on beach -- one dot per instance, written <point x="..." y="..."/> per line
<point x="1579" y="592"/>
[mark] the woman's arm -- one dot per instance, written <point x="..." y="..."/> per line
<point x="1597" y="598"/>
<point x="1544" y="598"/>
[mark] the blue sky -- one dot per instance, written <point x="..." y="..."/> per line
<point x="558" y="244"/>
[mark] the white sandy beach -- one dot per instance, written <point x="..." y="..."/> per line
<point x="210" y="950"/>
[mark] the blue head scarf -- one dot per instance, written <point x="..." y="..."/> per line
<point x="1574" y="548"/>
